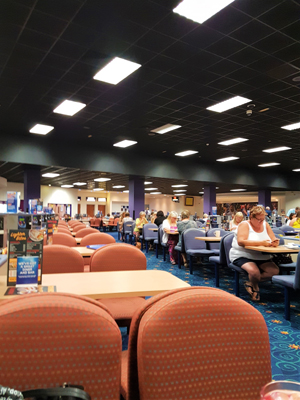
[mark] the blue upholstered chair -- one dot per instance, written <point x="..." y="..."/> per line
<point x="219" y="261"/>
<point x="149" y="235"/>
<point x="287" y="268"/>
<point x="128" y="228"/>
<point x="278" y="231"/>
<point x="288" y="230"/>
<point x="194" y="247"/>
<point x="226" y="246"/>
<point x="290" y="283"/>
<point x="214" y="246"/>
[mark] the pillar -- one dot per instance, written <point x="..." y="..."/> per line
<point x="32" y="184"/>
<point x="136" y="196"/>
<point x="209" y="198"/>
<point x="264" y="197"/>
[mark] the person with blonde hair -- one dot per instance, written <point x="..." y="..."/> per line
<point x="259" y="266"/>
<point x="238" y="218"/>
<point x="170" y="235"/>
<point x="139" y="223"/>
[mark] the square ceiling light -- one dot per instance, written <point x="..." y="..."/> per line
<point x="116" y="70"/>
<point x="67" y="186"/>
<point x="148" y="183"/>
<point x="200" y="10"/>
<point x="179" y="190"/>
<point x="292" y="126"/>
<point x="233" y="141"/>
<point x="118" y="187"/>
<point x="186" y="153"/>
<point x="296" y="170"/>
<point x="238" y="190"/>
<point x="165" y="128"/>
<point x="102" y="179"/>
<point x="125" y="143"/>
<point x="228" y="159"/>
<point x="50" y="175"/>
<point x="79" y="183"/>
<point x="97" y="189"/>
<point x="69" y="107"/>
<point x="276" y="149"/>
<point x="272" y="164"/>
<point x="178" y="186"/>
<point x="229" y="104"/>
<point x="41" y="129"/>
<point x="151" y="188"/>
<point x="125" y="191"/>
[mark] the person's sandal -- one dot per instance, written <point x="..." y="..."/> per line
<point x="185" y="265"/>
<point x="254" y="294"/>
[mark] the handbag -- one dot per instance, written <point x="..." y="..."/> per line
<point x="282" y="259"/>
<point x="66" y="392"/>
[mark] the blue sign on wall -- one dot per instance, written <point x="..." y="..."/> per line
<point x="12" y="202"/>
<point x="27" y="270"/>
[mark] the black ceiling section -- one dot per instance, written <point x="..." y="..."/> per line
<point x="51" y="49"/>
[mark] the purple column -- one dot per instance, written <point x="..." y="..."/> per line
<point x="209" y="198"/>
<point x="136" y="196"/>
<point x="32" y="184"/>
<point x="264" y="197"/>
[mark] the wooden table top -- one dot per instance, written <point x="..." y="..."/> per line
<point x="84" y="251"/>
<point x="278" y="249"/>
<point x="109" y="284"/>
<point x="78" y="240"/>
<point x="172" y="233"/>
<point x="209" y="239"/>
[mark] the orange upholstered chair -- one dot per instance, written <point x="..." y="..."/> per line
<point x="73" y="222"/>
<point x="86" y="231"/>
<point x="64" y="230"/>
<point x="64" y="239"/>
<point x="78" y="227"/>
<point x="98" y="238"/>
<point x="63" y="338"/>
<point x="61" y="259"/>
<point x="196" y="343"/>
<point x="120" y="257"/>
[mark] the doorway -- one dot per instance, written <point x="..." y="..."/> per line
<point x="78" y="208"/>
<point x="90" y="210"/>
<point x="101" y="209"/>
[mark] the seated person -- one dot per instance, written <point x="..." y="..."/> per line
<point x="184" y="224"/>
<point x="259" y="266"/>
<point x="125" y="218"/>
<point x="238" y="218"/>
<point x="153" y="217"/>
<point x="159" y="218"/>
<point x="295" y="221"/>
<point x="139" y="223"/>
<point x="169" y="226"/>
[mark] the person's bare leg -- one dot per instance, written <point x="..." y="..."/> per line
<point x="269" y="269"/>
<point x="254" y="274"/>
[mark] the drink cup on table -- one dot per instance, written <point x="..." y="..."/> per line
<point x="281" y="390"/>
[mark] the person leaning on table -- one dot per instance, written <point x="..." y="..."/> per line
<point x="238" y="218"/>
<point x="295" y="221"/>
<point x="139" y="223"/>
<point x="254" y="232"/>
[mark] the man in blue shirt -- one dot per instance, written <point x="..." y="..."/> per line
<point x="292" y="211"/>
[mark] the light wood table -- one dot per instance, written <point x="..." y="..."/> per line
<point x="109" y="284"/>
<point x="273" y="250"/>
<point x="172" y="233"/>
<point x="84" y="251"/>
<point x="78" y="240"/>
<point x="209" y="239"/>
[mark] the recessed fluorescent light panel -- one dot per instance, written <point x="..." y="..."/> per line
<point x="179" y="186"/>
<point x="125" y="191"/>
<point x="292" y="126"/>
<point x="66" y="186"/>
<point x="272" y="164"/>
<point x="155" y="193"/>
<point x="201" y="192"/>
<point x="116" y="70"/>
<point x="148" y="183"/>
<point x="118" y="187"/>
<point x="180" y="194"/>
<point x="275" y="149"/>
<point x="41" y="129"/>
<point x="180" y="190"/>
<point x="97" y="189"/>
<point x="229" y="104"/>
<point x="102" y="179"/>
<point x="79" y="183"/>
<point x="50" y="175"/>
<point x="69" y="107"/>
<point x="238" y="190"/>
<point x="228" y="159"/>
<point x="150" y="188"/>
<point x="125" y="143"/>
<point x="186" y="153"/>
<point x="166" y="128"/>
<point x="233" y="141"/>
<point x="296" y="170"/>
<point x="200" y="10"/>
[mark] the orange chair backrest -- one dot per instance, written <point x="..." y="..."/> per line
<point x="99" y="238"/>
<point x="73" y="222"/>
<point x="61" y="259"/>
<point x="65" y="231"/>
<point x="211" y="343"/>
<point x="78" y="227"/>
<point x="86" y="231"/>
<point x="64" y="338"/>
<point x="118" y="257"/>
<point x="64" y="239"/>
<point x="97" y="222"/>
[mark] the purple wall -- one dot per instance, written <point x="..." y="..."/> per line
<point x="136" y="196"/>
<point x="209" y="198"/>
<point x="264" y="197"/>
<point x="32" y="184"/>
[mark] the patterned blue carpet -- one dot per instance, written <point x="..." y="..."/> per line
<point x="284" y="335"/>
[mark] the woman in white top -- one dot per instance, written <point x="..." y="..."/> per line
<point x="169" y="225"/>
<point x="238" y="218"/>
<point x="255" y="232"/>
